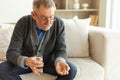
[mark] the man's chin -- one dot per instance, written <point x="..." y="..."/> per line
<point x="47" y="28"/>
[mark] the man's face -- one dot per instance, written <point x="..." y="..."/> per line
<point x="44" y="17"/>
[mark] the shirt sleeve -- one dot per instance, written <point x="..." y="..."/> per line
<point x="21" y="62"/>
<point x="59" y="59"/>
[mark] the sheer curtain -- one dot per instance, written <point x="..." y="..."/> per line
<point x="115" y="15"/>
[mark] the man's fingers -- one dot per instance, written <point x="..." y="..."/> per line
<point x="67" y="67"/>
<point x="62" y="68"/>
<point x="63" y="72"/>
<point x="39" y="65"/>
<point x="37" y="71"/>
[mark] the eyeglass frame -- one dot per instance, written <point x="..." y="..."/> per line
<point x="45" y="19"/>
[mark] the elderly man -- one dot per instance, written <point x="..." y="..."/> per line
<point x="38" y="45"/>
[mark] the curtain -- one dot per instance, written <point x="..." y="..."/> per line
<point x="115" y="15"/>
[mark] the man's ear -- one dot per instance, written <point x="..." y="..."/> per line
<point x="33" y="15"/>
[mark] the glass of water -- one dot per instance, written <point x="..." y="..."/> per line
<point x="39" y="60"/>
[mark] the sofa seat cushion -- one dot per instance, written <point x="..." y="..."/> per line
<point x="87" y="69"/>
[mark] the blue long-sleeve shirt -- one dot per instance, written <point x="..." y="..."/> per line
<point x="40" y="32"/>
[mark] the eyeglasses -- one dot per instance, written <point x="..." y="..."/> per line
<point x="45" y="19"/>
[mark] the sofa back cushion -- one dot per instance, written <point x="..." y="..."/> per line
<point x="76" y="36"/>
<point x="5" y="36"/>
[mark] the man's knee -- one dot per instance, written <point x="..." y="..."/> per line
<point x="5" y="66"/>
<point x="73" y="70"/>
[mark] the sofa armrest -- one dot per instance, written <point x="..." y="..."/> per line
<point x="105" y="49"/>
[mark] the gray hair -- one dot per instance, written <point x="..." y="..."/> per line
<point x="45" y="3"/>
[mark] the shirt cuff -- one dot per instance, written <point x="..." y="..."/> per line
<point x="21" y="62"/>
<point x="60" y="59"/>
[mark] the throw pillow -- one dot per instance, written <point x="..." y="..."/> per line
<point x="76" y="37"/>
<point x="5" y="36"/>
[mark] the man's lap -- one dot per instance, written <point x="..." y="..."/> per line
<point x="7" y="68"/>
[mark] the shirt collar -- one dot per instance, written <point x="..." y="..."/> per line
<point x="37" y="28"/>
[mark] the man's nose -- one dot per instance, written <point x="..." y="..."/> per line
<point x="49" y="21"/>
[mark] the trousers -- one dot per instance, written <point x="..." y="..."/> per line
<point x="9" y="71"/>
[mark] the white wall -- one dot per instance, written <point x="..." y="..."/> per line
<point x="12" y="10"/>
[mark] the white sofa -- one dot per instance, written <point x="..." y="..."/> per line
<point x="93" y="50"/>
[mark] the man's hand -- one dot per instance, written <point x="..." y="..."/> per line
<point x="35" y="64"/>
<point x="62" y="68"/>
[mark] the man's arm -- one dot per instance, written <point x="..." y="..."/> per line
<point x="14" y="50"/>
<point x="61" y="65"/>
<point x="60" y="46"/>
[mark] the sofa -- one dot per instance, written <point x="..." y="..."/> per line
<point x="94" y="50"/>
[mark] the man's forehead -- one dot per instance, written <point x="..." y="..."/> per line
<point x="46" y="11"/>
